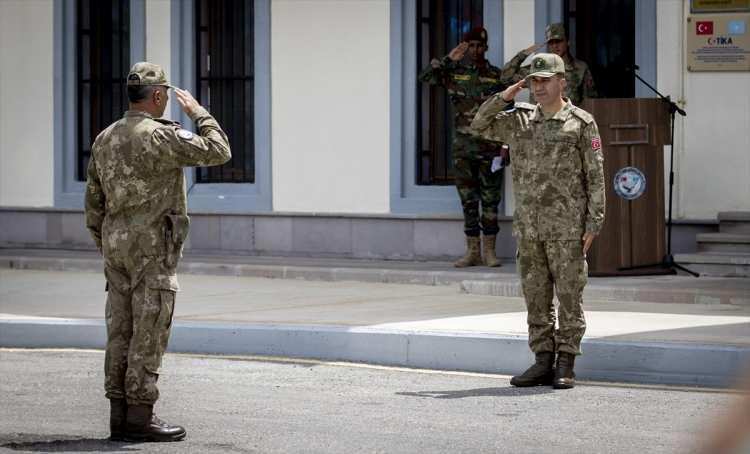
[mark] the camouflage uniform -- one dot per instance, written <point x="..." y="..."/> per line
<point x="468" y="87"/>
<point x="558" y="182"/>
<point x="135" y="207"/>
<point x="580" y="81"/>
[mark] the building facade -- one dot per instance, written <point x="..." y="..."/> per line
<point x="334" y="152"/>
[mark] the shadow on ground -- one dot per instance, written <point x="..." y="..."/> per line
<point x="61" y="443"/>
<point x="480" y="392"/>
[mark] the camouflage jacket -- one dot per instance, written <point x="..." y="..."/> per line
<point x="580" y="81"/>
<point x="468" y="87"/>
<point x="135" y="200"/>
<point x="558" y="172"/>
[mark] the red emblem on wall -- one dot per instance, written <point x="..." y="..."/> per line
<point x="704" y="27"/>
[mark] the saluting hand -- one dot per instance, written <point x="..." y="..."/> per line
<point x="459" y="51"/>
<point x="509" y="93"/>
<point x="533" y="48"/>
<point x="188" y="104"/>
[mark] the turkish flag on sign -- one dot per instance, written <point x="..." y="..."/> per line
<point x="704" y="28"/>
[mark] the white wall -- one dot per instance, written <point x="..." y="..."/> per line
<point x="330" y="89"/>
<point x="518" y="34"/>
<point x="712" y="144"/>
<point x="26" y="119"/>
<point x="159" y="42"/>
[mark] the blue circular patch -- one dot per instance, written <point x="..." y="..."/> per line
<point x="630" y="183"/>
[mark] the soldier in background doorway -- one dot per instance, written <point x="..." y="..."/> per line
<point x="469" y="84"/>
<point x="580" y="82"/>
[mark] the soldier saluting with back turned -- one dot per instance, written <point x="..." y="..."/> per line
<point x="136" y="212"/>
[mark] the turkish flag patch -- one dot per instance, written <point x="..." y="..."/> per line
<point x="596" y="144"/>
<point x="704" y="27"/>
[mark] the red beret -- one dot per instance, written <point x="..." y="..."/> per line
<point x="476" y="34"/>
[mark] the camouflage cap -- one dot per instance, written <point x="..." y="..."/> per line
<point x="476" y="34"/>
<point x="145" y="73"/>
<point x="546" y="65"/>
<point x="554" y="31"/>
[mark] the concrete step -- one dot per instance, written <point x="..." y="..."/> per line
<point x="716" y="264"/>
<point x="660" y="289"/>
<point x="723" y="242"/>
<point x="737" y="222"/>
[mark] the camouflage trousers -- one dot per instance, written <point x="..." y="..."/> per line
<point x="140" y="305"/>
<point x="476" y="183"/>
<point x="558" y="267"/>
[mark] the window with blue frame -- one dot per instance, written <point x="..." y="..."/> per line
<point x="440" y="26"/>
<point x="225" y="74"/>
<point x="102" y="63"/>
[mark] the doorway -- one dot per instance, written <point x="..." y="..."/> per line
<point x="602" y="33"/>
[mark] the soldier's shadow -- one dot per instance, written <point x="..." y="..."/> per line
<point x="62" y="443"/>
<point x="480" y="392"/>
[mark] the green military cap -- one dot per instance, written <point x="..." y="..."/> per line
<point x="145" y="73"/>
<point x="546" y="65"/>
<point x="554" y="31"/>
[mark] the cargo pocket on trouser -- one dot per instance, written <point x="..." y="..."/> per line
<point x="161" y="290"/>
<point x="152" y="323"/>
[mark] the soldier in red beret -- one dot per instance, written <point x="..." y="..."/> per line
<point x="470" y="80"/>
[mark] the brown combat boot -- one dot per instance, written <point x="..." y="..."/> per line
<point x="540" y="373"/>
<point x="565" y="378"/>
<point x="473" y="256"/>
<point x="118" y="410"/>
<point x="143" y="425"/>
<point x="488" y="251"/>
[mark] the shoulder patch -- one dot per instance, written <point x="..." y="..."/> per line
<point x="582" y="114"/>
<point x="184" y="134"/>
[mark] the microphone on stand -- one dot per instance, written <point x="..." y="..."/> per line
<point x="632" y="68"/>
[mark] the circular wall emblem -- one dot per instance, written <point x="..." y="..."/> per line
<point x="630" y="183"/>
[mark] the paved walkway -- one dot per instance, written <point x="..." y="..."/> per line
<point x="250" y="300"/>
<point x="431" y="326"/>
<point x="476" y="280"/>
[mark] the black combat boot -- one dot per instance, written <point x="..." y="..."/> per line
<point x="565" y="378"/>
<point x="118" y="410"/>
<point x="540" y="373"/>
<point x="143" y="425"/>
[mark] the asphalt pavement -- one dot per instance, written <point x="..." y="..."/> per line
<point x="52" y="401"/>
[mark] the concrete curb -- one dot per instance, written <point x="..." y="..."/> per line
<point x="639" y="293"/>
<point x="374" y="275"/>
<point x="477" y="283"/>
<point x="639" y="362"/>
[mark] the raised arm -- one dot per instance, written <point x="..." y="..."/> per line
<point x="439" y="71"/>
<point x="181" y="148"/>
<point x="487" y="124"/>
<point x="512" y="70"/>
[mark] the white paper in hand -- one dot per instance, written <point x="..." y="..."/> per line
<point x="497" y="164"/>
